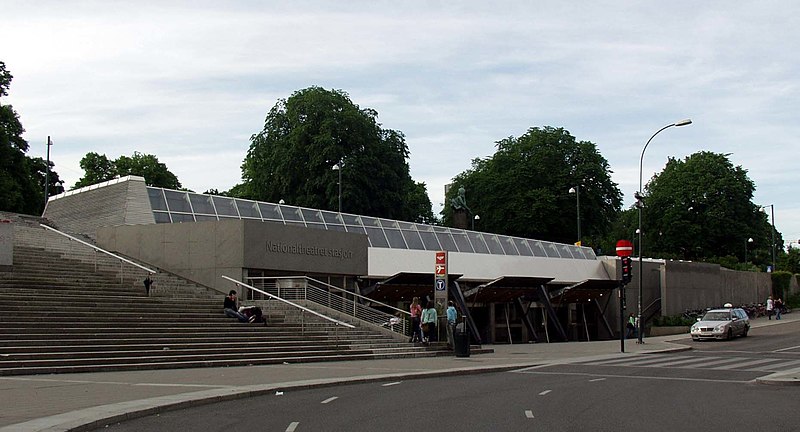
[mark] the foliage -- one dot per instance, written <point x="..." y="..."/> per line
<point x="701" y="207"/>
<point x="793" y="301"/>
<point x="780" y="283"/>
<point x="22" y="178"/>
<point x="673" y="321"/>
<point x="523" y="189"/>
<point x="98" y="168"/>
<point x="312" y="131"/>
<point x="790" y="261"/>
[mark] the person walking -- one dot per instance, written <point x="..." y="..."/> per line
<point x="770" y="307"/>
<point x="629" y="326"/>
<point x="452" y="315"/>
<point x="778" y="308"/>
<point x="147" y="284"/>
<point x="429" y="318"/>
<point x="416" y="314"/>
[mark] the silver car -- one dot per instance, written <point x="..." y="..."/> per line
<point x="724" y="323"/>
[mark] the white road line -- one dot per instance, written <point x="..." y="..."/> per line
<point x="745" y="365"/>
<point x="544" y="392"/>
<point x="640" y="377"/>
<point x="597" y="379"/>
<point x="330" y="399"/>
<point x="779" y="366"/>
<point x="787" y="349"/>
<point x="391" y="383"/>
<point x="686" y="361"/>
<point x="528" y="413"/>
<point x="292" y="426"/>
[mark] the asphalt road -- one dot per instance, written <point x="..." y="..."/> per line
<point x="707" y="389"/>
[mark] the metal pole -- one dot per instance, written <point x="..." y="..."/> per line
<point x="641" y="204"/>
<point x="47" y="174"/>
<point x="340" y="187"/>
<point x="578" y="197"/>
<point x="772" y="210"/>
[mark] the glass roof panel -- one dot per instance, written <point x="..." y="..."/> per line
<point x="461" y="240"/>
<point x="177" y="201"/>
<point x="477" y="242"/>
<point x="370" y="222"/>
<point x="225" y="206"/>
<point x="351" y="219"/>
<point x="413" y="239"/>
<point x="312" y="216"/>
<point x="493" y="244"/>
<point x="565" y="251"/>
<point x="205" y="218"/>
<point x="522" y="247"/>
<point x="182" y="217"/>
<point x="161" y="217"/>
<point x="577" y="252"/>
<point x="248" y="209"/>
<point x="201" y="204"/>
<point x="386" y="223"/>
<point x="430" y="241"/>
<point x="507" y="243"/>
<point x="156" y="199"/>
<point x="331" y="217"/>
<point x="589" y="253"/>
<point x="376" y="237"/>
<point x="333" y="227"/>
<point x="446" y="240"/>
<point x="395" y="238"/>
<point x="270" y="211"/>
<point x="536" y="247"/>
<point x="424" y="228"/>
<point x="551" y="250"/>
<point x="405" y="225"/>
<point x="291" y="214"/>
<point x="355" y="229"/>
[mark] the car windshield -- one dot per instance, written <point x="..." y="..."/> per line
<point x="717" y="316"/>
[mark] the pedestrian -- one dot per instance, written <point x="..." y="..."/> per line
<point x="778" y="308"/>
<point x="231" y="308"/>
<point x="629" y="326"/>
<point x="147" y="284"/>
<point x="416" y="314"/>
<point x="429" y="318"/>
<point x="452" y="315"/>
<point x="770" y="307"/>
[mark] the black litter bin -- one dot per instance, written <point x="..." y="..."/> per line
<point x="461" y="343"/>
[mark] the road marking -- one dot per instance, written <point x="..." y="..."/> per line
<point x="787" y="349"/>
<point x="292" y="426"/>
<point x="597" y="379"/>
<point x="544" y="392"/>
<point x="528" y="413"/>
<point x="783" y="365"/>
<point x="640" y="377"/>
<point x="391" y="383"/>
<point x="744" y="365"/>
<point x="330" y="399"/>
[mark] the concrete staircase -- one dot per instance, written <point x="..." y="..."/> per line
<point x="66" y="309"/>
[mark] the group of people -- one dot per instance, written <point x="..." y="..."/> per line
<point x="632" y="327"/>
<point x="424" y="322"/>
<point x="775" y="306"/>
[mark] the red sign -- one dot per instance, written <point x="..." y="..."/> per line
<point x="624" y="248"/>
<point x="441" y="257"/>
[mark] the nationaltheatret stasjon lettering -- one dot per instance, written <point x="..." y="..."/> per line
<point x="302" y="249"/>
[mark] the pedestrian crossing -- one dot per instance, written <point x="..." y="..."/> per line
<point x="668" y="361"/>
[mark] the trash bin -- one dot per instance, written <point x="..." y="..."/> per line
<point x="461" y="343"/>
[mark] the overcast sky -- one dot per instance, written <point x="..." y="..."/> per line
<point x="190" y="82"/>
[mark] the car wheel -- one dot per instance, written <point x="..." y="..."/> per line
<point x="744" y="333"/>
<point x="730" y="334"/>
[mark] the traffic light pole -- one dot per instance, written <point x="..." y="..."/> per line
<point x="621" y="317"/>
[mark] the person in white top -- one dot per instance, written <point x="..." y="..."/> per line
<point x="770" y="306"/>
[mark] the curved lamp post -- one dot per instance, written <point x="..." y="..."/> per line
<point x="577" y="191"/>
<point x="338" y="167"/>
<point x="640" y="205"/>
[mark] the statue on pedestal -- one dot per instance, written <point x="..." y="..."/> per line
<point x="460" y="209"/>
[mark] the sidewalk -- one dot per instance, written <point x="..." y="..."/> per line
<point x="69" y="401"/>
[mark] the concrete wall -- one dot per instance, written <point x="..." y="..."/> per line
<point x="116" y="202"/>
<point x="6" y="245"/>
<point x="204" y="251"/>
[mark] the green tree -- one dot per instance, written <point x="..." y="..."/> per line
<point x="701" y="208"/>
<point x="98" y="168"/>
<point x="523" y="189"/>
<point x="21" y="177"/>
<point x="305" y="135"/>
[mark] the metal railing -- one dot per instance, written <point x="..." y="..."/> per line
<point x="97" y="250"/>
<point x="338" y="299"/>
<point x="302" y="309"/>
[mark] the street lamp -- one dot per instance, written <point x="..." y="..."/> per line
<point x="749" y="240"/>
<point x="577" y="191"/>
<point x="338" y="167"/>
<point x="772" y="208"/>
<point x="640" y="204"/>
<point x="476" y="218"/>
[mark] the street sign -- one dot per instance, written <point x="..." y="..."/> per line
<point x="440" y="285"/>
<point x="440" y="278"/>
<point x="624" y="248"/>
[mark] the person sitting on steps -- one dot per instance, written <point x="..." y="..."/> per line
<point x="231" y="307"/>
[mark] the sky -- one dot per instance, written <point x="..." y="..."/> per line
<point x="192" y="81"/>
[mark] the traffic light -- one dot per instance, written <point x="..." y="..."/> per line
<point x="627" y="269"/>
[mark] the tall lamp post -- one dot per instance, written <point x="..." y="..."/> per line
<point x="749" y="240"/>
<point x="338" y="167"/>
<point x="772" y="245"/>
<point x="639" y="204"/>
<point x="576" y="190"/>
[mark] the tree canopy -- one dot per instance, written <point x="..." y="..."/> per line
<point x="22" y="178"/>
<point x="523" y="189"/>
<point x="306" y="135"/>
<point x="701" y="208"/>
<point x="98" y="168"/>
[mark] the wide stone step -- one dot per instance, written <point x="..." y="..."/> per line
<point x="240" y="339"/>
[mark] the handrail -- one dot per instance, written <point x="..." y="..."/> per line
<point x="272" y="296"/>
<point x="334" y="288"/>
<point x="99" y="249"/>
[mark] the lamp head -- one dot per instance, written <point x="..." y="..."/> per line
<point x="683" y="122"/>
